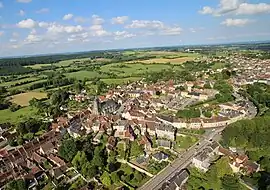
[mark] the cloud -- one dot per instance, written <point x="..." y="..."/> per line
<point x="155" y="24"/>
<point x="80" y="19"/>
<point x="97" y="20"/>
<point x="170" y="31"/>
<point x="54" y="28"/>
<point x="43" y="24"/>
<point x="43" y="10"/>
<point x="1" y="5"/>
<point x="68" y="16"/>
<point x="250" y="9"/>
<point x="206" y="10"/>
<point x="21" y="13"/>
<point x="24" y="1"/>
<point x="119" y="35"/>
<point x="237" y="7"/>
<point x="28" y="23"/>
<point x="1" y="33"/>
<point x="236" y="22"/>
<point x="119" y="20"/>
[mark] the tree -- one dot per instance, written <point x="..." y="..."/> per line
<point x="115" y="177"/>
<point x="136" y="149"/>
<point x="68" y="149"/>
<point x="99" y="157"/>
<point x="16" y="185"/>
<point x="79" y="160"/>
<point x="106" y="179"/>
<point x="89" y="170"/>
<point x="188" y="113"/>
<point x="138" y="176"/>
<point x="229" y="182"/>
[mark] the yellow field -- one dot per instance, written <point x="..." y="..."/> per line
<point x="162" y="60"/>
<point x="37" y="66"/>
<point x="24" y="98"/>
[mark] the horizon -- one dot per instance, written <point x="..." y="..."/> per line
<point x="29" y="28"/>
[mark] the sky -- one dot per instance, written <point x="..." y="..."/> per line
<point x="30" y="27"/>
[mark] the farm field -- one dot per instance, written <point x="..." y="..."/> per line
<point x="69" y="62"/>
<point x="17" y="116"/>
<point x="218" y="65"/>
<point x="24" y="86"/>
<point x="172" y="61"/>
<point x="120" y="80"/>
<point x="38" y="66"/>
<point x="80" y="75"/>
<point x="7" y="84"/>
<point x="127" y="70"/>
<point x="24" y="98"/>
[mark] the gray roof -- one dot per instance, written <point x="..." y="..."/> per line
<point x="214" y="145"/>
<point x="164" y="143"/>
<point x="164" y="127"/>
<point x="160" y="156"/>
<point x="203" y="155"/>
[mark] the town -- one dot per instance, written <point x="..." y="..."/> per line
<point x="154" y="129"/>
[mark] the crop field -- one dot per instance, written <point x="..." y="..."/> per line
<point x="118" y="81"/>
<point x="172" y="61"/>
<point x="80" y="75"/>
<point x="38" y="66"/>
<point x="70" y="62"/>
<point x="127" y="70"/>
<point x="7" y="84"/>
<point x="24" y="98"/>
<point x="14" y="117"/>
<point x="24" y="86"/>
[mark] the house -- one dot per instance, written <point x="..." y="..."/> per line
<point x="111" y="144"/>
<point x="176" y="182"/>
<point x="215" y="122"/>
<point x="58" y="172"/>
<point x="164" y="144"/>
<point x="165" y="131"/>
<point x="56" y="160"/>
<point x="194" y="123"/>
<point x="160" y="157"/>
<point x="46" y="148"/>
<point x="37" y="158"/>
<point x="146" y="142"/>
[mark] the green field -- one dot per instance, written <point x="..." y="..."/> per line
<point x="15" y="117"/>
<point x="127" y="70"/>
<point x="120" y="80"/>
<point x="184" y="142"/>
<point x="24" y="86"/>
<point x="24" y="98"/>
<point x="80" y="75"/>
<point x="218" y="65"/>
<point x="7" y="84"/>
<point x="38" y="66"/>
<point x="69" y="62"/>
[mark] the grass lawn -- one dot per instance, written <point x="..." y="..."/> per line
<point x="15" y="117"/>
<point x="120" y="80"/>
<point x="24" y="98"/>
<point x="80" y="75"/>
<point x="184" y="142"/>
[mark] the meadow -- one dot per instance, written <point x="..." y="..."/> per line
<point x="17" y="116"/>
<point x="24" y="98"/>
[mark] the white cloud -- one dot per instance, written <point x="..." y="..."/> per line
<point x="236" y="22"/>
<point x="31" y="38"/>
<point x="250" y="9"/>
<point x="80" y="19"/>
<point x="172" y="31"/>
<point x="21" y="13"/>
<point x="97" y="20"/>
<point x="68" y="16"/>
<point x="24" y="1"/>
<point x="1" y="5"/>
<point x="119" y="20"/>
<point x="43" y="24"/>
<point x="154" y="24"/>
<point x="238" y="7"/>
<point x="28" y="23"/>
<point x="118" y="35"/>
<point x="43" y="10"/>
<point x="56" y="28"/>
<point x="12" y="40"/>
<point x="206" y="10"/>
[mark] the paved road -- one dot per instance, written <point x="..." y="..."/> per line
<point x="180" y="163"/>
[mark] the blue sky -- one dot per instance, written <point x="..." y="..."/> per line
<point x="29" y="27"/>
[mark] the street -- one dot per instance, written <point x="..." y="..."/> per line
<point x="180" y="163"/>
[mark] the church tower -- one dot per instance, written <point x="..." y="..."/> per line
<point x="96" y="106"/>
